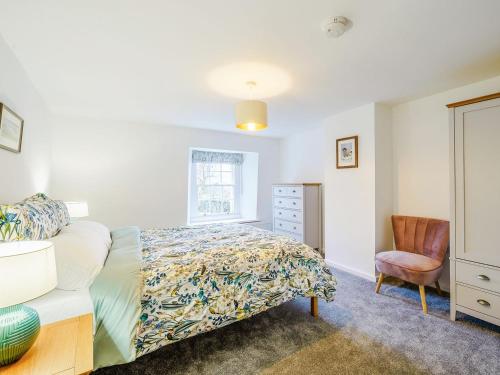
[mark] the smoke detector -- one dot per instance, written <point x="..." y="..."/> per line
<point x="335" y="26"/>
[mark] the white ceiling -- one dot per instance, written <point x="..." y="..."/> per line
<point x="150" y="60"/>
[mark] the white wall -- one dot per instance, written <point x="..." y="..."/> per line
<point x="349" y="194"/>
<point x="137" y="174"/>
<point x="28" y="172"/>
<point x="384" y="194"/>
<point x="250" y="186"/>
<point x="302" y="156"/>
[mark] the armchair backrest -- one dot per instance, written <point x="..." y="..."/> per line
<point x="421" y="235"/>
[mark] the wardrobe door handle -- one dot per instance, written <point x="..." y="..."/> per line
<point x="482" y="302"/>
<point x="483" y="277"/>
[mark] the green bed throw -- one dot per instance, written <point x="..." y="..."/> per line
<point x="116" y="295"/>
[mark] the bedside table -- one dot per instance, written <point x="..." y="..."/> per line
<point x="63" y="348"/>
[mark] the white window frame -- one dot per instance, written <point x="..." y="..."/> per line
<point x="194" y="217"/>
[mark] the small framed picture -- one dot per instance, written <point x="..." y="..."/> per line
<point x="11" y="129"/>
<point x="347" y="152"/>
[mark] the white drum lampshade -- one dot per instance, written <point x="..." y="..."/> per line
<point x="251" y="115"/>
<point x="28" y="270"/>
<point x="77" y="209"/>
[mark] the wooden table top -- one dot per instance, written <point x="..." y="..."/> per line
<point x="63" y="348"/>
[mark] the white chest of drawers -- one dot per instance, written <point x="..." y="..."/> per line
<point x="297" y="212"/>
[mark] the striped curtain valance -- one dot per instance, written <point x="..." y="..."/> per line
<point x="217" y="157"/>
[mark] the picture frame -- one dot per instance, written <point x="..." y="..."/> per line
<point x="347" y="152"/>
<point x="11" y="129"/>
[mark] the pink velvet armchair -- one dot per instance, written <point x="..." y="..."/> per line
<point x="421" y="245"/>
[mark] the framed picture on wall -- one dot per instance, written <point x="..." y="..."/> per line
<point x="347" y="152"/>
<point x="11" y="129"/>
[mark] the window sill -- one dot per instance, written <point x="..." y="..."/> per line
<point x="222" y="221"/>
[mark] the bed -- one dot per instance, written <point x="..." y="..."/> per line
<point x="163" y="285"/>
<point x="155" y="287"/>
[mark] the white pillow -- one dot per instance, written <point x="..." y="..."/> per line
<point x="81" y="249"/>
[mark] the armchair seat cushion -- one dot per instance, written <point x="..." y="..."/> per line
<point x="414" y="268"/>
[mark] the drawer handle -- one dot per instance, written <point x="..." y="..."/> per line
<point x="281" y="202"/>
<point x="279" y="213"/>
<point x="281" y="225"/>
<point x="294" y="191"/>
<point x="295" y="228"/>
<point x="483" y="277"/>
<point x="294" y="203"/>
<point x="294" y="215"/>
<point x="482" y="302"/>
<point x="279" y="190"/>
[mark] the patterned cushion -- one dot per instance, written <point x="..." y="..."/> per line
<point x="35" y="218"/>
<point x="13" y="221"/>
<point x="42" y="213"/>
<point x="62" y="213"/>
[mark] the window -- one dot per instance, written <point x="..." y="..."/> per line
<point x="216" y="188"/>
<point x="223" y="186"/>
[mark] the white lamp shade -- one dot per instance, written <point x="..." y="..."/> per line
<point x="27" y="269"/>
<point x="77" y="209"/>
<point x="251" y="115"/>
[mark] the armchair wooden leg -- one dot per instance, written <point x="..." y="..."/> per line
<point x="379" y="282"/>
<point x="438" y="288"/>
<point x="422" y="298"/>
<point x="314" y="306"/>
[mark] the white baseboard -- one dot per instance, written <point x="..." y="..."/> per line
<point x="353" y="271"/>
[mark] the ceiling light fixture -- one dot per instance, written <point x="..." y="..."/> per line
<point x="251" y="115"/>
<point x="335" y="26"/>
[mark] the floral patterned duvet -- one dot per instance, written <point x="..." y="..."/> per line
<point x="200" y="278"/>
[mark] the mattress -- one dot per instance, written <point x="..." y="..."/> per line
<point x="62" y="304"/>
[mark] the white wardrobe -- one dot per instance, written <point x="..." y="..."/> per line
<point x="297" y="213"/>
<point x="475" y="208"/>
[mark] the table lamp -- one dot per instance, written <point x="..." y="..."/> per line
<point x="28" y="270"/>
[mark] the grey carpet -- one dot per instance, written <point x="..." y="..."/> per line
<point x="360" y="333"/>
